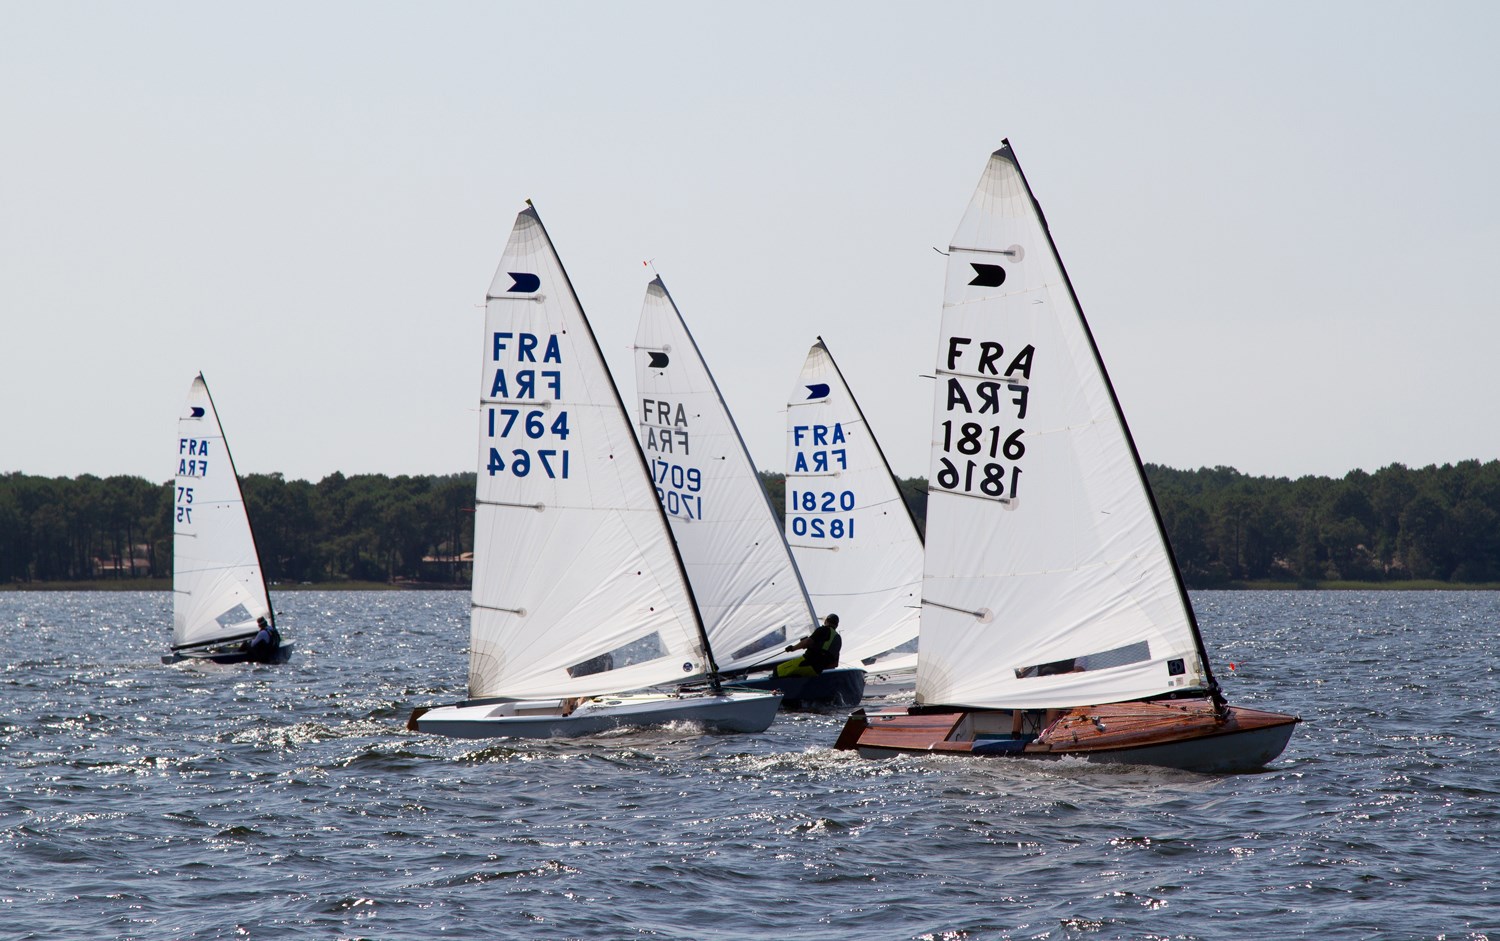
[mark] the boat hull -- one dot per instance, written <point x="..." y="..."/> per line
<point x="730" y="712"/>
<point x="1189" y="735"/>
<point x="841" y="687"/>
<point x="225" y="655"/>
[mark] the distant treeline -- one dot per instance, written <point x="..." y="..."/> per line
<point x="363" y="528"/>
<point x="1434" y="523"/>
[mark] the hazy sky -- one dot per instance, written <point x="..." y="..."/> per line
<point x="1282" y="218"/>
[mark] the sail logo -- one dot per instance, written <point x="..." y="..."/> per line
<point x="524" y="283"/>
<point x="987" y="276"/>
<point x="658" y="360"/>
<point x="817" y="390"/>
<point x="196" y="412"/>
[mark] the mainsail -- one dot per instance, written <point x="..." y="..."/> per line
<point x="578" y="588"/>
<point x="853" y="538"/>
<point x="1048" y="581"/>
<point x="218" y="589"/>
<point x="747" y="587"/>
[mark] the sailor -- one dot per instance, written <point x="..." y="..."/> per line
<point x="264" y="644"/>
<point x="822" y="647"/>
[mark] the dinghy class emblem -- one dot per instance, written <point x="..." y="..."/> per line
<point x="525" y="283"/>
<point x="197" y="411"/>
<point x="817" y="390"/>
<point x="658" y="360"/>
<point x="987" y="276"/>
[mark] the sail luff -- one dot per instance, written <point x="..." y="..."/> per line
<point x="687" y="583"/>
<point x="265" y="588"/>
<point x="744" y="449"/>
<point x="1187" y="604"/>
<point x="884" y="461"/>
<point x="740" y="566"/>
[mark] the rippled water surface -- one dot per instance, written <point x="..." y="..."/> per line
<point x="201" y="801"/>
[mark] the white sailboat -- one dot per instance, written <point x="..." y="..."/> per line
<point x="752" y="597"/>
<point x="1054" y="619"/>
<point x="579" y="596"/>
<point x="853" y="536"/>
<point x="218" y="586"/>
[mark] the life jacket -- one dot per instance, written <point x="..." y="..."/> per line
<point x="825" y="655"/>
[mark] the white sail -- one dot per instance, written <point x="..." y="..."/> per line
<point x="1048" y="581"/>
<point x="218" y="589"/>
<point x="851" y="534"/>
<point x="746" y="585"/>
<point x="578" y="589"/>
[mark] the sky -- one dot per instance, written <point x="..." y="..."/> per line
<point x="1281" y="218"/>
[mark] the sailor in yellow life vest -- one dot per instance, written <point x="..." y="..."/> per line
<point x="822" y="647"/>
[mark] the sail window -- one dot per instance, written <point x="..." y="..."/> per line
<point x="763" y="642"/>
<point x="908" y="647"/>
<point x="1117" y="657"/>
<point x="640" y="650"/>
<point x="238" y="614"/>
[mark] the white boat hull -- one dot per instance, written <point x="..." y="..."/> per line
<point x="730" y="712"/>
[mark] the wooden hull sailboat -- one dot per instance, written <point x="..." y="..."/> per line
<point x="1187" y="734"/>
<point x="582" y="619"/>
<point x="1054" y="620"/>
<point x="218" y="586"/>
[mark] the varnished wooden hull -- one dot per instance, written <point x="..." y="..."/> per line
<point x="1185" y="734"/>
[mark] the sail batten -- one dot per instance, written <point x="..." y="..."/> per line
<point x="1038" y="510"/>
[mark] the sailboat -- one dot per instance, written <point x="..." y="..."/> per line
<point x="1054" y="620"/>
<point x="853" y="536"/>
<point x="582" y="619"/>
<point x="752" y="597"/>
<point x="218" y="586"/>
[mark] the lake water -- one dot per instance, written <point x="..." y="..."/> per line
<point x="145" y="801"/>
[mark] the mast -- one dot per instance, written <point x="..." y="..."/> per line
<point x="260" y="567"/>
<point x="749" y="461"/>
<point x="1006" y="153"/>
<point x="873" y="440"/>
<point x="640" y="456"/>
